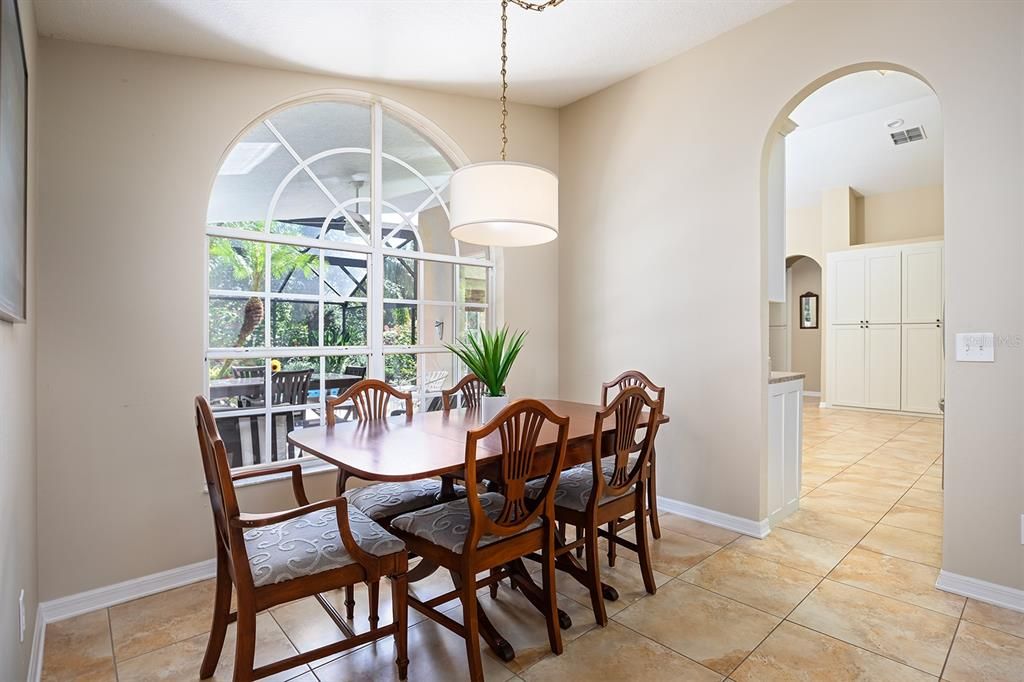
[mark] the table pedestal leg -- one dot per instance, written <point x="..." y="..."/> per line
<point x="521" y="578"/>
<point x="424" y="569"/>
<point x="499" y="645"/>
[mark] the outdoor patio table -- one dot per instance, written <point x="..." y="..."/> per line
<point x="253" y="387"/>
<point x="434" y="444"/>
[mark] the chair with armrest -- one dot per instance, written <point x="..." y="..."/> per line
<point x="271" y="559"/>
<point x="492" y="531"/>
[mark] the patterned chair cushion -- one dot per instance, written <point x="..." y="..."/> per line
<point x="447" y="525"/>
<point x="575" y="485"/>
<point x="311" y="544"/>
<point x="384" y="500"/>
<point x="608" y="464"/>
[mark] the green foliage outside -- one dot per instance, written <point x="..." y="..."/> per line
<point x="240" y="265"/>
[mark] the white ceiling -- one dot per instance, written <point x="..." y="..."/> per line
<point x="858" y="93"/>
<point x="843" y="138"/>
<point x="555" y="58"/>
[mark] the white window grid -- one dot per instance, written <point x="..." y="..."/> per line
<point x="374" y="250"/>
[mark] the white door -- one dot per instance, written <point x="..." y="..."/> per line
<point x="922" y="367"/>
<point x="882" y="286"/>
<point x="922" y="284"/>
<point x="846" y="290"/>
<point x="847" y="377"/>
<point x="882" y="366"/>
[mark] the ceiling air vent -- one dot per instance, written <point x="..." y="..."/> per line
<point x="907" y="135"/>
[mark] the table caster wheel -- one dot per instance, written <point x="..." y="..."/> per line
<point x="610" y="593"/>
<point x="505" y="651"/>
<point x="564" y="621"/>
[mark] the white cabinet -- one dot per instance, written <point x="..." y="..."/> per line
<point x="866" y="366"/>
<point x="884" y="327"/>
<point x="922" y="284"/>
<point x="847" y="379"/>
<point x="865" y="286"/>
<point x="846" y="288"/>
<point x="922" y="367"/>
<point x="882" y="286"/>
<point x="882" y="366"/>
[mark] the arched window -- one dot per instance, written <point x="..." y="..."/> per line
<point x="329" y="260"/>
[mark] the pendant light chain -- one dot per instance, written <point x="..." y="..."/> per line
<point x="536" y="7"/>
<point x="504" y="79"/>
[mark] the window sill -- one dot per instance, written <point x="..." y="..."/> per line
<point x="314" y="467"/>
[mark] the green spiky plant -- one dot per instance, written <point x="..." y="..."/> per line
<point x="489" y="355"/>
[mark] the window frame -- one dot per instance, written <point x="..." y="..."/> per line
<point x="374" y="350"/>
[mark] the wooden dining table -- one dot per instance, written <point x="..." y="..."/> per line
<point x="434" y="444"/>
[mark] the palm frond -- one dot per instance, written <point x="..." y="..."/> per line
<point x="489" y="355"/>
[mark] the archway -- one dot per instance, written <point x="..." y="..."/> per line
<point x="804" y="301"/>
<point x="875" y="367"/>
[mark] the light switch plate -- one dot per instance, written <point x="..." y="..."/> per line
<point x="975" y="347"/>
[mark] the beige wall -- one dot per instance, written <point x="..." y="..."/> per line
<point x="130" y="143"/>
<point x="898" y="216"/>
<point x="805" y="354"/>
<point x="687" y="138"/>
<point x="18" y="565"/>
<point x="803" y="232"/>
<point x="844" y="218"/>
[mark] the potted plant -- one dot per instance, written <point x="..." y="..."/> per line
<point x="490" y="356"/>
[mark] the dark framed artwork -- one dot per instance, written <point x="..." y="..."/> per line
<point x="809" y="311"/>
<point x="13" y="154"/>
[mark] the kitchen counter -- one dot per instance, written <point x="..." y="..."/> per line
<point x="781" y="377"/>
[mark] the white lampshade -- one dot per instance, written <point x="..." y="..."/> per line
<point x="504" y="204"/>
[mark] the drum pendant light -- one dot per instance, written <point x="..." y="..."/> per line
<point x="503" y="203"/>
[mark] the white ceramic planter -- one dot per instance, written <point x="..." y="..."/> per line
<point x="491" y="405"/>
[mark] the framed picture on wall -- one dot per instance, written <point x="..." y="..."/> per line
<point x="809" y="311"/>
<point x="13" y="144"/>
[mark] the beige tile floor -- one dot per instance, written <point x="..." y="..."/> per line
<point x="843" y="590"/>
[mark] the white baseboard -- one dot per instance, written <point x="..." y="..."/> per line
<point x="757" y="529"/>
<point x="991" y="593"/>
<point x="35" y="659"/>
<point x="813" y="394"/>
<point x="824" y="404"/>
<point x="103" y="597"/>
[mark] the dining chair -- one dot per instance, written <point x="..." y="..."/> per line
<point x="611" y="487"/>
<point x="271" y="559"/>
<point x="247" y="371"/>
<point x="623" y="381"/>
<point x="371" y="401"/>
<point x="471" y="389"/>
<point x="355" y="371"/>
<point x="494" y="529"/>
<point x="290" y="387"/>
